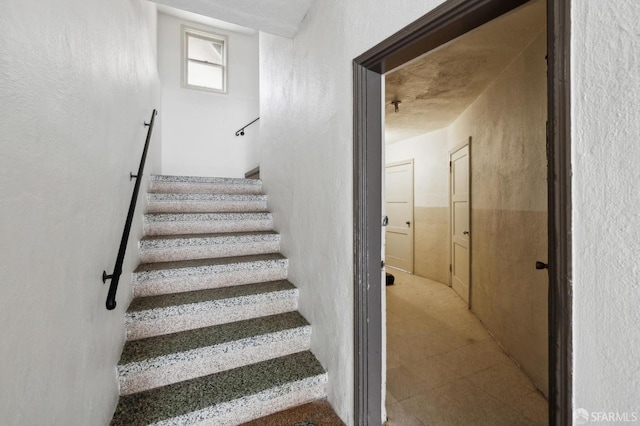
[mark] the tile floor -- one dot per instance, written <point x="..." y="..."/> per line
<point x="316" y="413"/>
<point x="443" y="367"/>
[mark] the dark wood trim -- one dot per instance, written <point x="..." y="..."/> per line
<point x="448" y="21"/>
<point x="367" y="241"/>
<point x="559" y="192"/>
<point x="444" y="23"/>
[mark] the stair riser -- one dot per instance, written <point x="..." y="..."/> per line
<point x="140" y="329"/>
<point x="252" y="407"/>
<point x="213" y="362"/>
<point x="178" y="283"/>
<point x="203" y="188"/>
<point x="168" y="254"/>
<point x="206" y="227"/>
<point x="205" y="206"/>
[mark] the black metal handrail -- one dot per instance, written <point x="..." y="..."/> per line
<point x="117" y="270"/>
<point x="241" y="131"/>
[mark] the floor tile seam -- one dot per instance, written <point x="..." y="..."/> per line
<point x="179" y="357"/>
<point x="477" y="389"/>
<point x="538" y="393"/>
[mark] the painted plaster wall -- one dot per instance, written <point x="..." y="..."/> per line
<point x="605" y="128"/>
<point x="509" y="208"/>
<point x="77" y="80"/>
<point x="198" y="127"/>
<point x="431" y="200"/>
<point x="307" y="161"/>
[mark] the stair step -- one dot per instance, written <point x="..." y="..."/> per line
<point x="166" y="248"/>
<point x="199" y="185"/>
<point x="171" y="313"/>
<point x="229" y="397"/>
<point x="162" y="360"/>
<point x="195" y="203"/>
<point x="192" y="223"/>
<point x="189" y="275"/>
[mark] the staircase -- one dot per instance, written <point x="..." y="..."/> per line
<point x="213" y="335"/>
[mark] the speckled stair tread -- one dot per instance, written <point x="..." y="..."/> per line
<point x="204" y="201"/>
<point x="203" y="179"/>
<point x="153" y="347"/>
<point x="169" y="197"/>
<point x="211" y="262"/>
<point x="174" y="312"/>
<point x="193" y="297"/>
<point x="198" y="239"/>
<point x="197" y="399"/>
<point x="197" y="184"/>
<point x="206" y="222"/>
<point x="195" y="217"/>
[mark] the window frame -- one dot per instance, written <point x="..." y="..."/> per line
<point x="209" y="36"/>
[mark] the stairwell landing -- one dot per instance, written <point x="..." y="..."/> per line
<point x="213" y="332"/>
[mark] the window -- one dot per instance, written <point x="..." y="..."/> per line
<point x="205" y="61"/>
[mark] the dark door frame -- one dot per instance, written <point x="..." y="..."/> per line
<point x="448" y="21"/>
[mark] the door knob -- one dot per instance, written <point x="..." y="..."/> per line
<point x="541" y="265"/>
<point x="465" y="232"/>
<point x="385" y="220"/>
<point x="408" y="223"/>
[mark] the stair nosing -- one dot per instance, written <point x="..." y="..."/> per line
<point x="203" y="239"/>
<point x="216" y="391"/>
<point x="199" y="307"/>
<point x="204" y="180"/>
<point x="195" y="301"/>
<point x="298" y="327"/>
<point x="212" y="213"/>
<point x="198" y="197"/>
<point x="176" y="358"/>
<point x="211" y="262"/>
<point x="220" y="408"/>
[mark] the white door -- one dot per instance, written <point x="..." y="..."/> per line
<point x="399" y="209"/>
<point x="459" y="210"/>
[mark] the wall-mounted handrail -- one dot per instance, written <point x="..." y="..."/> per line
<point x="241" y="131"/>
<point x="117" y="270"/>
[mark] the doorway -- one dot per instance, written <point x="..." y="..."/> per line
<point x="399" y="209"/>
<point x="443" y="24"/>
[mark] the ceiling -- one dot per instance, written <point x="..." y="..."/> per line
<point x="205" y="20"/>
<point x="437" y="87"/>
<point x="279" y="17"/>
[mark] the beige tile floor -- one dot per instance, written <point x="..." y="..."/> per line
<point x="443" y="367"/>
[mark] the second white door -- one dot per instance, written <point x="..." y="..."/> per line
<point x="460" y="229"/>
<point x="399" y="209"/>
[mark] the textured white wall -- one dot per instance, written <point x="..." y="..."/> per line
<point x="606" y="203"/>
<point x="509" y="208"/>
<point x="307" y="161"/>
<point x="198" y="127"/>
<point x="77" y="80"/>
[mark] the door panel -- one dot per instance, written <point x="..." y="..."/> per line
<point x="399" y="209"/>
<point x="460" y="224"/>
